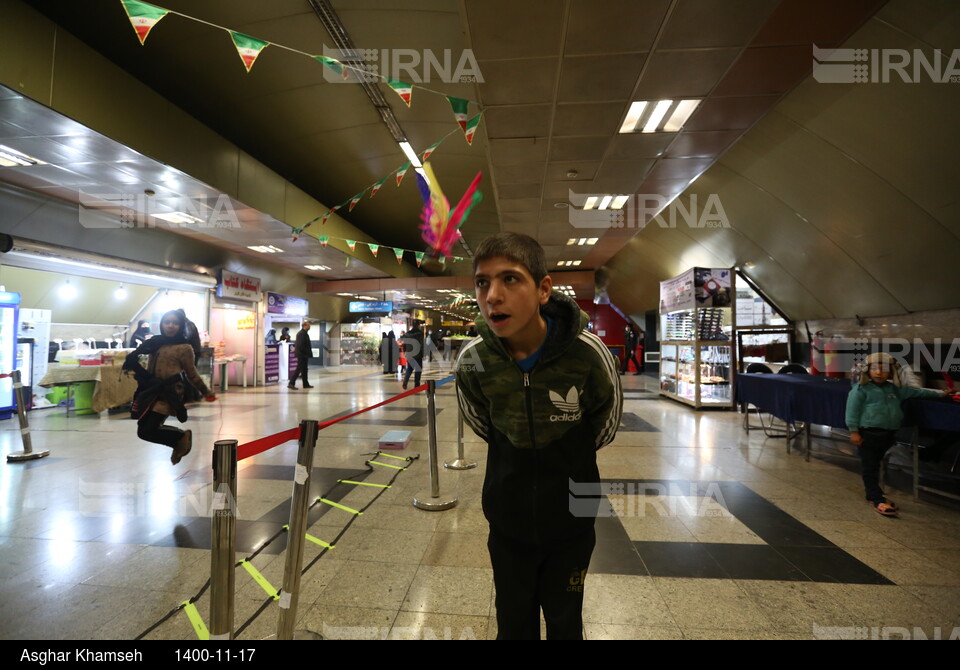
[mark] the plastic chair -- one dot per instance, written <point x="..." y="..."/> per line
<point x="755" y="368"/>
<point x="793" y="369"/>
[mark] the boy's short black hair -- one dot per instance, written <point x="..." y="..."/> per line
<point x="517" y="247"/>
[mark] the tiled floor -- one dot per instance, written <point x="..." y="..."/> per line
<point x="710" y="533"/>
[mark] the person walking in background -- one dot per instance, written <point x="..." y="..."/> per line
<point x="302" y="349"/>
<point x="162" y="387"/>
<point x="630" y="351"/>
<point x="140" y="335"/>
<point x="413" y="349"/>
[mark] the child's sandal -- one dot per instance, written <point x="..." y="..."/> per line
<point x="885" y="509"/>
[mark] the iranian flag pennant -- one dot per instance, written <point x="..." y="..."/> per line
<point x="429" y="151"/>
<point x="399" y="254"/>
<point x="328" y="214"/>
<point x="457" y="259"/>
<point x="143" y="17"/>
<point x="355" y="199"/>
<point x="402" y="171"/>
<point x="324" y="240"/>
<point x="352" y="244"/>
<point x="334" y="65"/>
<point x="419" y="255"/>
<point x="374" y="248"/>
<point x="471" y="128"/>
<point x="248" y="48"/>
<point x="403" y="89"/>
<point x="460" y="111"/>
<point x="376" y="187"/>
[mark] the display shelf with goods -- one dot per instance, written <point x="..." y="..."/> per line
<point x="696" y="326"/>
<point x="769" y="347"/>
<point x="359" y="344"/>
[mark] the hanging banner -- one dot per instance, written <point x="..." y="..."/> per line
<point x="143" y="17"/>
<point x="324" y="240"/>
<point x="399" y="254"/>
<point x="429" y="151"/>
<point x="374" y="248"/>
<point x="419" y="255"/>
<point x="248" y="48"/>
<point x="355" y="199"/>
<point x="352" y="244"/>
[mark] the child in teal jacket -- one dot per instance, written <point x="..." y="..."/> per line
<point x="873" y="417"/>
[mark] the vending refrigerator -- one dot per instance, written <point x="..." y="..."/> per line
<point x="9" y="305"/>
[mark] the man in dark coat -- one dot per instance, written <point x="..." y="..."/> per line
<point x="302" y="349"/>
<point x="413" y="350"/>
<point x="630" y="351"/>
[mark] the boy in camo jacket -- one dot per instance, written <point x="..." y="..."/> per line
<point x="545" y="395"/>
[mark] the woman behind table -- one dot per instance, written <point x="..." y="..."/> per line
<point x="162" y="386"/>
<point x="140" y="335"/>
<point x="285" y="335"/>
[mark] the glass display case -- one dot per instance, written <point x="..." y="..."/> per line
<point x="696" y="329"/>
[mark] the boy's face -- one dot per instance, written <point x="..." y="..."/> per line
<point x="509" y="298"/>
<point x="879" y="372"/>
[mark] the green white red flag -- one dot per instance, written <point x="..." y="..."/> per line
<point x="399" y="254"/>
<point x="402" y="171"/>
<point x="374" y="248"/>
<point x="459" y="106"/>
<point x="352" y="244"/>
<point x="143" y="16"/>
<point x="376" y="187"/>
<point x="403" y="89"/>
<point x="328" y="214"/>
<point x="334" y="65"/>
<point x="248" y="48"/>
<point x="419" y="255"/>
<point x="355" y="199"/>
<point x="427" y="153"/>
<point x="471" y="129"/>
<point x="324" y="240"/>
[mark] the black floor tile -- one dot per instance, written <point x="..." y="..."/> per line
<point x="630" y="422"/>
<point x="679" y="559"/>
<point x="617" y="557"/>
<point x="782" y="530"/>
<point x="250" y="536"/>
<point x="610" y="529"/>
<point x="754" y="561"/>
<point x="831" y="564"/>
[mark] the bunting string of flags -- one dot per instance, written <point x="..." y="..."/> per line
<point x="145" y="16"/>
<point x="399" y="252"/>
<point x="352" y="202"/>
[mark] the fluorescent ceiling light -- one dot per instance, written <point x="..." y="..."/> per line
<point x="581" y="241"/>
<point x="267" y="249"/>
<point x="605" y="202"/>
<point x="633" y="116"/>
<point x="177" y="217"/>
<point x="316" y="267"/>
<point x="591" y="202"/>
<point x="420" y="171"/>
<point x="572" y="240"/>
<point x="13" y="158"/>
<point x="656" y="116"/>
<point x="593" y="240"/>
<point x="576" y="262"/>
<point x="679" y="117"/>
<point x="619" y="201"/>
<point x="411" y="154"/>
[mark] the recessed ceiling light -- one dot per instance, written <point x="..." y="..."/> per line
<point x="267" y="249"/>
<point x="572" y="240"/>
<point x="593" y="240"/>
<point x="619" y="201"/>
<point x="591" y="202"/>
<point x="177" y="217"/>
<point x="656" y="116"/>
<point x="316" y="267"/>
<point x="634" y="115"/>
<point x="649" y="116"/>
<point x="605" y="202"/>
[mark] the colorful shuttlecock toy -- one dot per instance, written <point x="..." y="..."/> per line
<point x="441" y="226"/>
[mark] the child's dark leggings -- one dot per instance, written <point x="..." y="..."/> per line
<point x="531" y="576"/>
<point x="151" y="429"/>
<point x="876" y="442"/>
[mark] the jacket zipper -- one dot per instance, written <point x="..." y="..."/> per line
<point x="528" y="393"/>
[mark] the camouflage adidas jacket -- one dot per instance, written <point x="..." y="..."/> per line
<point x="544" y="427"/>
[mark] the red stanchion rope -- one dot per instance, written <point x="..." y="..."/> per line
<point x="264" y="443"/>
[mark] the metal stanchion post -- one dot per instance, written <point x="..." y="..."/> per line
<point x="433" y="502"/>
<point x="460" y="463"/>
<point x="223" y="544"/>
<point x="28" y="454"/>
<point x="296" y="531"/>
